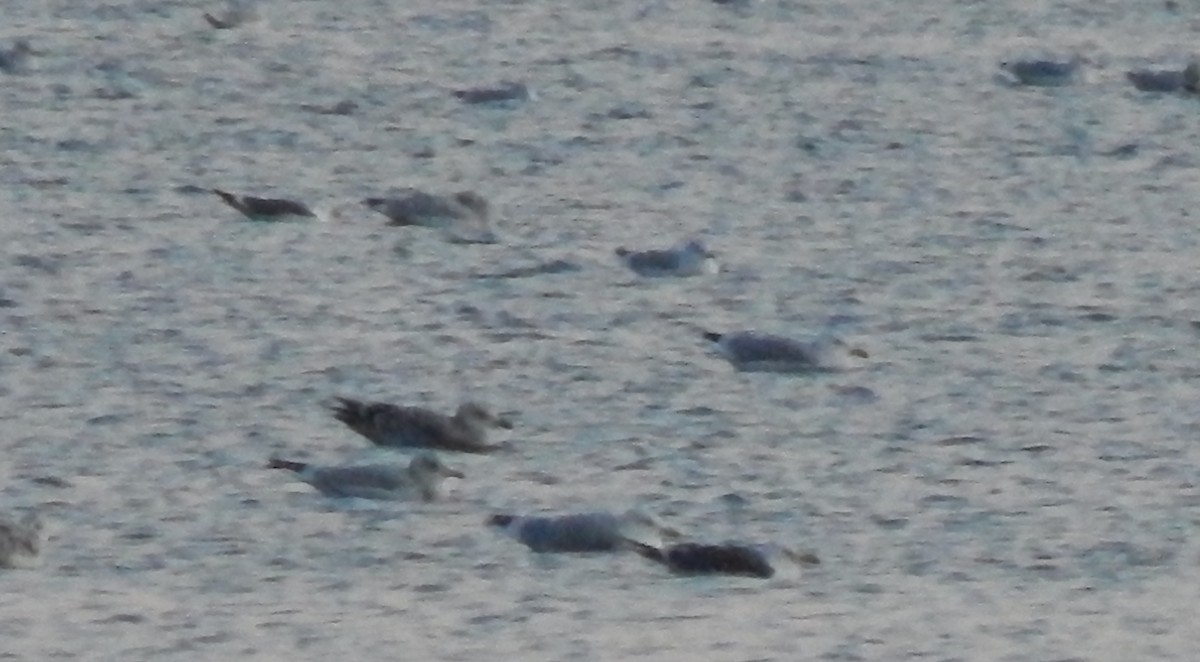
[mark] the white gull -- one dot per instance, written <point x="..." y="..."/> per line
<point x="421" y="479"/>
<point x="691" y="258"/>
<point x="752" y="351"/>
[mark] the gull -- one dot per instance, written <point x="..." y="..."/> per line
<point x="579" y="532"/>
<point x="15" y="59"/>
<point x="1168" y="80"/>
<point x="391" y="425"/>
<point x="689" y="259"/>
<point x="730" y="558"/>
<point x="1043" y="73"/>
<point x="265" y="209"/>
<point x="752" y="351"/>
<point x="20" y="540"/>
<point x="421" y="479"/>
<point x="464" y="210"/>
<point x="505" y="91"/>
<point x="238" y="13"/>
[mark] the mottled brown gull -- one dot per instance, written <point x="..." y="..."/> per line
<point x="691" y="258"/>
<point x="465" y="213"/>
<point x="16" y="59"/>
<point x="20" y="540"/>
<point x="752" y="351"/>
<point x="238" y="13"/>
<point x="421" y="479"/>
<point x="1043" y="73"/>
<point x="730" y="558"/>
<point x="396" y="426"/>
<point x="266" y="209"/>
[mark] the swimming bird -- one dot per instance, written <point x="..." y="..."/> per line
<point x="15" y="59"/>
<point x="689" y="259"/>
<point x="20" y="540"/>
<point x="265" y="209"/>
<point x="505" y="91"/>
<point x="1167" y="80"/>
<point x="580" y="532"/>
<point x="391" y="425"/>
<point x="464" y="210"/>
<point x="238" y="13"/>
<point x="421" y="479"/>
<point x="1043" y="73"/>
<point x="752" y="351"/>
<point x="703" y="559"/>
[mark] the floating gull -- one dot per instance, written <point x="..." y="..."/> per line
<point x="238" y="13"/>
<point x="730" y="558"/>
<point x="1043" y="73"/>
<point x="1168" y="80"/>
<point x="581" y="532"/>
<point x="464" y="210"/>
<point x="16" y="59"/>
<point x="266" y="209"/>
<point x="689" y="259"/>
<point x="761" y="352"/>
<point x="20" y="541"/>
<point x="504" y="92"/>
<point x="394" y="426"/>
<point x="422" y="478"/>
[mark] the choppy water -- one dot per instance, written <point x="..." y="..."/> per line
<point x="1014" y="478"/>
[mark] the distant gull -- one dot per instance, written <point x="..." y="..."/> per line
<point x="20" y="540"/>
<point x="464" y="210"/>
<point x="703" y="559"/>
<point x="1167" y="80"/>
<point x="503" y="92"/>
<point x="238" y="13"/>
<point x="752" y="351"/>
<point x="1043" y="73"/>
<point x="422" y="478"/>
<point x="391" y="425"/>
<point x="265" y="209"/>
<point x="689" y="259"/>
<point x="15" y="60"/>
<point x="580" y="532"/>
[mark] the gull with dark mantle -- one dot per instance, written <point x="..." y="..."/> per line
<point x="421" y="479"/>
<point x="691" y="258"/>
<point x="751" y="351"/>
<point x="581" y="532"/>
<point x="20" y="540"/>
<point x="266" y="209"/>
<point x="721" y="559"/>
<point x="395" y="426"/>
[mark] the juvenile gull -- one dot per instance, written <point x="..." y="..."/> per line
<point x="14" y="60"/>
<point x="688" y="259"/>
<point x="1167" y="80"/>
<point x="238" y="13"/>
<point x="505" y="91"/>
<point x="580" y="532"/>
<point x="464" y="210"/>
<point x="421" y="479"/>
<point x="1043" y="73"/>
<point x="391" y="425"/>
<point x="730" y="558"/>
<point x="265" y="209"/>
<point x="20" y="540"/>
<point x="752" y="351"/>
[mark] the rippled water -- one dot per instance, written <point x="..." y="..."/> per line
<point x="1014" y="477"/>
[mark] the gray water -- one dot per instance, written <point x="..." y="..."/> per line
<point x="1014" y="477"/>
